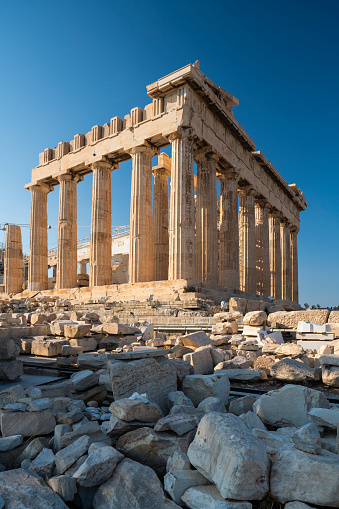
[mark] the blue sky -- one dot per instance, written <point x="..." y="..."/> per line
<point x="69" y="65"/>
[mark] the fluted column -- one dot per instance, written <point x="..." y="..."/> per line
<point x="206" y="219"/>
<point x="83" y="267"/>
<point x="247" y="244"/>
<point x="13" y="259"/>
<point x="161" y="172"/>
<point x="182" y="213"/>
<point x="141" y="233"/>
<point x="38" y="250"/>
<point x="101" y="226"/>
<point x="262" y="248"/>
<point x="275" y="253"/>
<point x="286" y="267"/>
<point x="294" y="256"/>
<point x="229" y="231"/>
<point x="67" y="232"/>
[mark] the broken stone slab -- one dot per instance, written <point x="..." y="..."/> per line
<point x="132" y="485"/>
<point x="327" y="417"/>
<point x="65" y="458"/>
<point x="307" y="439"/>
<point x="227" y="316"/>
<point x="71" y="350"/>
<point x="242" y="405"/>
<point x="92" y="429"/>
<point x="310" y="478"/>
<point x="119" y="328"/>
<point x="201" y="360"/>
<point x="237" y="362"/>
<point x="32" y="450"/>
<point x="44" y="463"/>
<point x="47" y="348"/>
<point x="182" y="369"/>
<point x="92" y="360"/>
<point x="27" y="424"/>
<point x="330" y="375"/>
<point x="9" y="351"/>
<point x="252" y="421"/>
<point x="290" y="319"/>
<point x="290" y="350"/>
<point x="226" y="453"/>
<point x="200" y="387"/>
<point x="11" y="370"/>
<point x="223" y="328"/>
<point x="255" y="318"/>
<point x="178" y="481"/>
<point x="195" y="340"/>
<point x="64" y="485"/>
<point x="241" y="375"/>
<point x="87" y="344"/>
<point x="57" y="390"/>
<point x="58" y="326"/>
<point x="24" y="489"/>
<point x="178" y="461"/>
<point x="154" y="378"/>
<point x="211" y="404"/>
<point x="145" y="353"/>
<point x="202" y="497"/>
<point x="178" y="423"/>
<point x="98" y="467"/>
<point x="178" y="398"/>
<point x="219" y="355"/>
<point x="117" y="427"/>
<point x="329" y="360"/>
<point x="77" y="331"/>
<point x="275" y="408"/>
<point x="292" y="370"/>
<point x="135" y="410"/>
<point x="39" y="404"/>
<point x="153" y="448"/>
<point x="9" y="443"/>
<point x="272" y="440"/>
<point x="84" y="380"/>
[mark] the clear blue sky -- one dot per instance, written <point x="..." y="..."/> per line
<point x="69" y="65"/>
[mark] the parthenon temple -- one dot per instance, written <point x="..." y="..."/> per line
<point x="244" y="242"/>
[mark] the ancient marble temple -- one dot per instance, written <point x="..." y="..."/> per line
<point x="246" y="241"/>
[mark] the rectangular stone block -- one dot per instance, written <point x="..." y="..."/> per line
<point x="154" y="378"/>
<point x="27" y="423"/>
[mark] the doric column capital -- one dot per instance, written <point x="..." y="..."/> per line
<point x="147" y="149"/>
<point x="182" y="132"/>
<point x="205" y="154"/>
<point x="164" y="165"/>
<point x="262" y="202"/>
<point x="41" y="187"/>
<point x="294" y="229"/>
<point x="246" y="191"/>
<point x="104" y="165"/>
<point x="229" y="174"/>
<point x="70" y="176"/>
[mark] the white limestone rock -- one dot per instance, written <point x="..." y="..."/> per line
<point x="135" y="410"/>
<point x="65" y="458"/>
<point x="98" y="467"/>
<point x="84" y="380"/>
<point x="307" y="439"/>
<point x="255" y="318"/>
<point x="203" y="497"/>
<point x="200" y="387"/>
<point x="178" y="461"/>
<point x="178" y="398"/>
<point x="289" y="406"/>
<point x="9" y="443"/>
<point x="132" y="486"/>
<point x="292" y="370"/>
<point x="201" y="360"/>
<point x="44" y="463"/>
<point x="252" y="421"/>
<point x="310" y="478"/>
<point x="226" y="453"/>
<point x="178" y="481"/>
<point x="211" y="404"/>
<point x="194" y="340"/>
<point x="243" y="375"/>
<point x="328" y="417"/>
<point x="178" y="423"/>
<point x="27" y="423"/>
<point x="22" y="489"/>
<point x="239" y="406"/>
<point x="64" y="485"/>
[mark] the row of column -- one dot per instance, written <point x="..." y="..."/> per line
<point x="256" y="250"/>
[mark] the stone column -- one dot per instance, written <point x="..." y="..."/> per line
<point x="206" y="219"/>
<point x="286" y="267"/>
<point x="229" y="231"/>
<point x="67" y="232"/>
<point x="141" y="224"/>
<point x="262" y="248"/>
<point x="83" y="267"/>
<point x="38" y="250"/>
<point x="247" y="244"/>
<point x="294" y="257"/>
<point x="161" y="173"/>
<point x="101" y="226"/>
<point x="182" y="213"/>
<point x="275" y="253"/>
<point x="13" y="259"/>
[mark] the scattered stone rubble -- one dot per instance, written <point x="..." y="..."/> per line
<point x="148" y="420"/>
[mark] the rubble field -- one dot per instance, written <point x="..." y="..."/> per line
<point x="233" y="418"/>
